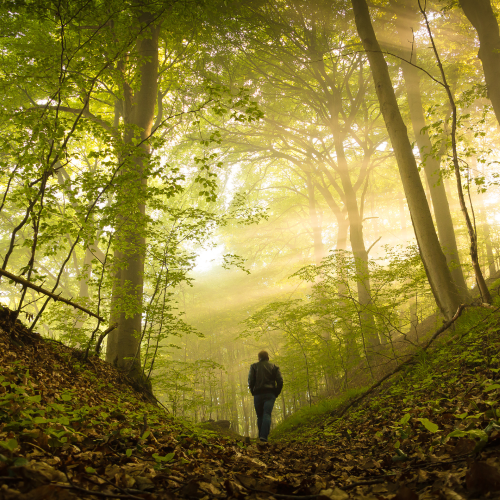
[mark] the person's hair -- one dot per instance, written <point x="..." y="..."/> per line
<point x="263" y="356"/>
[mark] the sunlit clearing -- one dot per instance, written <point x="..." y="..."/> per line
<point x="208" y="257"/>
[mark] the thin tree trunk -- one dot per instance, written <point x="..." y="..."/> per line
<point x="356" y="235"/>
<point x="407" y="19"/>
<point x="481" y="283"/>
<point x="444" y="289"/>
<point x="402" y="216"/>
<point x="480" y="15"/>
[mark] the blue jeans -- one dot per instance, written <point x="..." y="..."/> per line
<point x="264" y="406"/>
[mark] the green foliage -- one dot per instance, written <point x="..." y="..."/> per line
<point x="323" y="335"/>
<point x="305" y="423"/>
<point x="416" y="408"/>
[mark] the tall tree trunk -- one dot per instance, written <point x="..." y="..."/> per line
<point x="314" y="220"/>
<point x="407" y="19"/>
<point x="368" y="327"/>
<point x="342" y="222"/>
<point x="443" y="287"/>
<point x="138" y="116"/>
<point x="481" y="16"/>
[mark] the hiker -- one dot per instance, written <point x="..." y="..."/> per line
<point x="265" y="383"/>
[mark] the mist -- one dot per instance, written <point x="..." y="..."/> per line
<point x="311" y="178"/>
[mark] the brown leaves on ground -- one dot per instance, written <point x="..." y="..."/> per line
<point x="73" y="430"/>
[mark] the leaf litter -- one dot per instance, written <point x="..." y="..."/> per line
<point x="71" y="429"/>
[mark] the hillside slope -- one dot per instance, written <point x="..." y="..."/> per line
<point x="70" y="429"/>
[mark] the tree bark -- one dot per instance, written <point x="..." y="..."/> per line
<point x="481" y="16"/>
<point x="444" y="288"/>
<point x="407" y="19"/>
<point x="123" y="345"/>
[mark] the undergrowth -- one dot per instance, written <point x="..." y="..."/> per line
<point x="310" y="416"/>
<point x="436" y="383"/>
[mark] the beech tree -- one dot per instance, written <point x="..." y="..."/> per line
<point x="445" y="290"/>
<point x="480" y="14"/>
<point x="406" y="24"/>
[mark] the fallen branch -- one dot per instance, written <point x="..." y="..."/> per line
<point x="53" y="296"/>
<point x="96" y="493"/>
<point x="279" y="495"/>
<point x="366" y="483"/>
<point x="407" y="362"/>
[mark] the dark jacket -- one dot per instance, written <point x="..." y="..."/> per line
<point x="265" y="377"/>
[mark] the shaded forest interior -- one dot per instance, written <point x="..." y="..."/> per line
<point x="74" y="428"/>
<point x="183" y="184"/>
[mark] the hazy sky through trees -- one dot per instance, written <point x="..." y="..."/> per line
<point x="216" y="178"/>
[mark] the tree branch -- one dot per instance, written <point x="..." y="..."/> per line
<point x="103" y="336"/>
<point x="84" y="112"/>
<point x="53" y="296"/>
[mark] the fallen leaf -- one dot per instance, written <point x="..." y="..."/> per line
<point x="404" y="493"/>
<point x="483" y="477"/>
<point x="334" y="494"/>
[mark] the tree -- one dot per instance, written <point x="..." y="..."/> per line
<point x="480" y="14"/>
<point x="444" y="288"/>
<point x="406" y="25"/>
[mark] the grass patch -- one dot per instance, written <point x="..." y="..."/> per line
<point x="302" y="422"/>
<point x="466" y="355"/>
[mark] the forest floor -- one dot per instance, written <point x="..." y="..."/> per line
<point x="73" y="429"/>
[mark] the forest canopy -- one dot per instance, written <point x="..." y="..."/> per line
<point x="183" y="184"/>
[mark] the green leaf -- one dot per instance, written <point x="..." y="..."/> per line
<point x="397" y="444"/>
<point x="128" y="452"/>
<point x="63" y="420"/>
<point x="10" y="444"/>
<point x="405" y="419"/>
<point x="457" y="433"/>
<point x="492" y="387"/>
<point x="66" y="397"/>
<point x="20" y="462"/>
<point x="40" y="420"/>
<point x="35" y="399"/>
<point x="167" y="458"/>
<point x="145" y="435"/>
<point x="90" y="470"/>
<point x="429" y="425"/>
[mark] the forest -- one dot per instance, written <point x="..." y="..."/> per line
<point x="185" y="183"/>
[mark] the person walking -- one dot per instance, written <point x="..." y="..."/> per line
<point x="265" y="383"/>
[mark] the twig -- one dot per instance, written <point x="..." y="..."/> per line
<point x="366" y="483"/>
<point x="374" y="243"/>
<point x="53" y="296"/>
<point x="279" y="495"/>
<point x="36" y="446"/>
<point x="406" y="363"/>
<point x="96" y="493"/>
